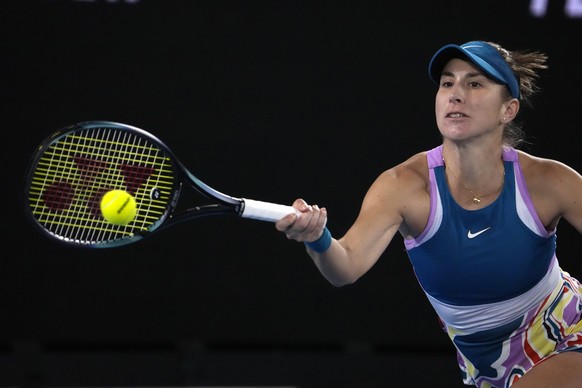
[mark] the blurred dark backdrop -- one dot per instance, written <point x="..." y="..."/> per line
<point x="270" y="100"/>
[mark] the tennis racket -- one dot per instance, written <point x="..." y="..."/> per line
<point x="75" y="166"/>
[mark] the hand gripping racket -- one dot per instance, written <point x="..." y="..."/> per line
<point x="75" y="166"/>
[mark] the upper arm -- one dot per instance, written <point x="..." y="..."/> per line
<point x="568" y="187"/>
<point x="394" y="196"/>
<point x="556" y="191"/>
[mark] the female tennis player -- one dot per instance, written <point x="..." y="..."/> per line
<point x="478" y="218"/>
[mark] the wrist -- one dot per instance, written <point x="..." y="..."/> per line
<point x="322" y="244"/>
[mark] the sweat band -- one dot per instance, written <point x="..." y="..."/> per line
<point x="322" y="244"/>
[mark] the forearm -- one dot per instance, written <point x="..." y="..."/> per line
<point x="333" y="262"/>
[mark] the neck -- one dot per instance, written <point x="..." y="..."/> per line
<point x="473" y="164"/>
<point x="474" y="178"/>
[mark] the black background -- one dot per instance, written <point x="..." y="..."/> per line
<point x="270" y="100"/>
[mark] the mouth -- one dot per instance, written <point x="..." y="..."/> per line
<point x="455" y="115"/>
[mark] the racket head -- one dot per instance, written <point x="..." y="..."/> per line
<point x="75" y="166"/>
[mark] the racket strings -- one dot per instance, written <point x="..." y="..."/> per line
<point x="73" y="173"/>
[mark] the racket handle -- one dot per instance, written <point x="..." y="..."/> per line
<point x="266" y="211"/>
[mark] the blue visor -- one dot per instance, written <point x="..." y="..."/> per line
<point x="483" y="55"/>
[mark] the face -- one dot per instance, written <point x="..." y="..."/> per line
<point x="468" y="104"/>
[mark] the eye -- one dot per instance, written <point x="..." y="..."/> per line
<point x="474" y="84"/>
<point x="446" y="84"/>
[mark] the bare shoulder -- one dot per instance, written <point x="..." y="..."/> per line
<point x="414" y="167"/>
<point x="410" y="175"/>
<point x="555" y="189"/>
<point x="545" y="172"/>
<point x="403" y="192"/>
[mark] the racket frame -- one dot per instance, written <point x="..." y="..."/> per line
<point x="224" y="204"/>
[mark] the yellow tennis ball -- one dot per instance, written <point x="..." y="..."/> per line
<point x="118" y="207"/>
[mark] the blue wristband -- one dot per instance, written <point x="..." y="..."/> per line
<point x="322" y="244"/>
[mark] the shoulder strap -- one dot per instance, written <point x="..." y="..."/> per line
<point x="435" y="157"/>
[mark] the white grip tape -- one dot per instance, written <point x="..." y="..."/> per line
<point x="266" y="211"/>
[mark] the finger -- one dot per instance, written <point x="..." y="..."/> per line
<point x="286" y="222"/>
<point x="301" y="205"/>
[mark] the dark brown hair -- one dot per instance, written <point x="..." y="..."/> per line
<point x="525" y="65"/>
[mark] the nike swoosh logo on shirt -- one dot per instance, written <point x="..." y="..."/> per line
<point x="473" y="235"/>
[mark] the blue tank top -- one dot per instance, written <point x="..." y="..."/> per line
<point x="470" y="257"/>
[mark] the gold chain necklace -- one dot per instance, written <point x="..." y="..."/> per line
<point x="476" y="197"/>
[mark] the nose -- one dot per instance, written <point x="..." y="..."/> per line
<point x="455" y="98"/>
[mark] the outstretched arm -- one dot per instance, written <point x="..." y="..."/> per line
<point x="344" y="260"/>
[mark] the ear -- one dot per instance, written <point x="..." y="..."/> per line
<point x="510" y="110"/>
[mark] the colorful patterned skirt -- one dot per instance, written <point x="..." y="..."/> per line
<point x="499" y="357"/>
